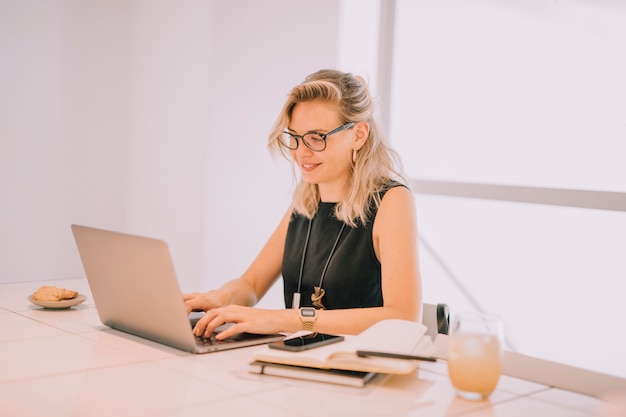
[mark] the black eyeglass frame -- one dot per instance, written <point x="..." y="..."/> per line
<point x="324" y="136"/>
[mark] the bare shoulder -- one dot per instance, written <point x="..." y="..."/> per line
<point x="395" y="227"/>
<point x="397" y="198"/>
<point x="399" y="190"/>
<point x="396" y="211"/>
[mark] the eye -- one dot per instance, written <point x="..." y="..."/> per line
<point x="288" y="140"/>
<point x="314" y="137"/>
<point x="314" y="141"/>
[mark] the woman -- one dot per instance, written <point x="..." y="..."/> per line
<point x="347" y="247"/>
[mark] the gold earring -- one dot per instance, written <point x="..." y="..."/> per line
<point x="354" y="155"/>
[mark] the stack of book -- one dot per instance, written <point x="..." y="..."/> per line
<point x="387" y="347"/>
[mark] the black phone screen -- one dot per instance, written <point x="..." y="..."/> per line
<point x="309" y="341"/>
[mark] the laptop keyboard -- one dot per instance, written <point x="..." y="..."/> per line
<point x="211" y="340"/>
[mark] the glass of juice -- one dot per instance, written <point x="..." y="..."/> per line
<point x="475" y="351"/>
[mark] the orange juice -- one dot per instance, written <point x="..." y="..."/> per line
<point x="474" y="363"/>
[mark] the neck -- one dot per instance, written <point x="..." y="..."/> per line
<point x="332" y="193"/>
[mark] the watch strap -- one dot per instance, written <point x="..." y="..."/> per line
<point x="308" y="316"/>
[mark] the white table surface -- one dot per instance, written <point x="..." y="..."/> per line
<point x="58" y="363"/>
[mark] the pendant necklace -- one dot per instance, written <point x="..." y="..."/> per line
<point x="318" y="292"/>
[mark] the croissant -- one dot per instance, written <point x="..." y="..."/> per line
<point x="52" y="293"/>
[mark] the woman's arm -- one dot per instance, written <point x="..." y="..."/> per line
<point x="255" y="281"/>
<point x="395" y="244"/>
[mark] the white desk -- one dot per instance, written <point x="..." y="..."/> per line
<point x="66" y="363"/>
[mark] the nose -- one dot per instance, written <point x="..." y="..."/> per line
<point x="301" y="151"/>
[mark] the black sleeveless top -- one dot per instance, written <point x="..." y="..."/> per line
<point x="353" y="277"/>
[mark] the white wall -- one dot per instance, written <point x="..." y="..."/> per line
<point x="148" y="117"/>
<point x="167" y="146"/>
<point x="534" y="91"/>
<point x="526" y="93"/>
<point x="260" y="50"/>
<point x="64" y="123"/>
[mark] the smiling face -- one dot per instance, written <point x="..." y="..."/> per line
<point x="331" y="168"/>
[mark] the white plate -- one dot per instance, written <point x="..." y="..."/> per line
<point x="58" y="304"/>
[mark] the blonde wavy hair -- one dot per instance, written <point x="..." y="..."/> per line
<point x="375" y="164"/>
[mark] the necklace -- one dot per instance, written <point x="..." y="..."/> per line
<point x="318" y="292"/>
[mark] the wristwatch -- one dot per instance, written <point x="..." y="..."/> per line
<point x="308" y="315"/>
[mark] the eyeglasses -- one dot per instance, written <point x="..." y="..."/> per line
<point x="313" y="140"/>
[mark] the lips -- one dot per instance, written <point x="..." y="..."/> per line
<point x="308" y="167"/>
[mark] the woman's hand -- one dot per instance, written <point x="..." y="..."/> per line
<point x="203" y="301"/>
<point x="245" y="319"/>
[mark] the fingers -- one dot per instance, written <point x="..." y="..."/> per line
<point x="215" y="318"/>
<point x="191" y="296"/>
<point x="225" y="334"/>
<point x="207" y="324"/>
<point x="188" y="300"/>
<point x="197" y="302"/>
<point x="188" y="307"/>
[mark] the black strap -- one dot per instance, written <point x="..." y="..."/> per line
<point x="443" y="318"/>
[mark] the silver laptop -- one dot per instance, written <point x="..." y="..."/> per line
<point x="135" y="289"/>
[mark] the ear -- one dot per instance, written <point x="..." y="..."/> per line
<point x="361" y="133"/>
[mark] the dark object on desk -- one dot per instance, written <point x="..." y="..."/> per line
<point x="443" y="318"/>
<point x="332" y="376"/>
<point x="369" y="353"/>
<point x="436" y="317"/>
<point x="306" y="342"/>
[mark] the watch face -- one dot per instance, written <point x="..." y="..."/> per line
<point x="307" y="312"/>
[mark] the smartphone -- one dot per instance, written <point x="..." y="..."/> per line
<point x="306" y="342"/>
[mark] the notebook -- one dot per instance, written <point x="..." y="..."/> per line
<point x="135" y="290"/>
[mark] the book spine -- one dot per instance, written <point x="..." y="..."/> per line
<point x="307" y="374"/>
